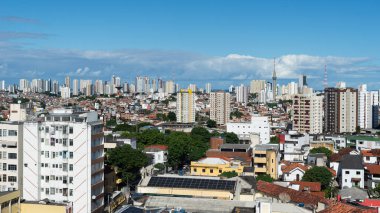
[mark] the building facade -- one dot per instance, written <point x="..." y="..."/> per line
<point x="64" y="159"/>
<point x="220" y="107"/>
<point x="341" y="110"/>
<point x="308" y="114"/>
<point x="185" y="107"/>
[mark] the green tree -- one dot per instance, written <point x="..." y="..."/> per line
<point x="172" y="116"/>
<point x="159" y="166"/>
<point x="236" y="114"/>
<point x="331" y="192"/>
<point x="128" y="162"/>
<point x="318" y="174"/>
<point x="111" y="122"/>
<point x="211" y="124"/>
<point x="264" y="177"/>
<point x="230" y="137"/>
<point x="274" y="140"/>
<point x="151" y="136"/>
<point x="124" y="127"/>
<point x="324" y="150"/>
<point x="201" y="133"/>
<point x="229" y="174"/>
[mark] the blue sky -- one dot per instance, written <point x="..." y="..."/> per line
<point x="224" y="42"/>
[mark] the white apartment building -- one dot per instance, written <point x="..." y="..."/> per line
<point x="241" y="94"/>
<point x="351" y="171"/>
<point x="295" y="147"/>
<point x="75" y="87"/>
<point x="208" y="88"/>
<point x="220" y="107"/>
<point x="169" y="87"/>
<point x="63" y="159"/>
<point x="185" y="111"/>
<point x="65" y="92"/>
<point x="308" y="114"/>
<point x="10" y="155"/>
<point x="365" y="107"/>
<point x="259" y="125"/>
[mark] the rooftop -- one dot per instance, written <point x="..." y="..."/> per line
<point x="235" y="146"/>
<point x="363" y="138"/>
<point x="351" y="162"/>
<point x="214" y="160"/>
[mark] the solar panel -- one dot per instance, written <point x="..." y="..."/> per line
<point x="192" y="183"/>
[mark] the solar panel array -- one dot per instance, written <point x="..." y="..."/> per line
<point x="192" y="183"/>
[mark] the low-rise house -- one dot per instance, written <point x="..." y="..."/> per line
<point x="214" y="166"/>
<point x="310" y="187"/>
<point x="159" y="153"/>
<point x="317" y="159"/>
<point x="283" y="194"/>
<point x="293" y="171"/>
<point x="235" y="151"/>
<point x="337" y="157"/>
<point x="364" y="142"/>
<point x="371" y="156"/>
<point x="373" y="175"/>
<point x="351" y="171"/>
<point x="295" y="146"/>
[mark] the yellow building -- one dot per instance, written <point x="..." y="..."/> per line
<point x="213" y="166"/>
<point x="327" y="144"/>
<point x="265" y="160"/>
<point x="10" y="202"/>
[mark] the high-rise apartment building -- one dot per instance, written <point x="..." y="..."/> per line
<point x="169" y="87"/>
<point x="193" y="87"/>
<point x="142" y="84"/>
<point x="308" y="114"/>
<point x="24" y="85"/>
<point x="301" y="83"/>
<point x="75" y="87"/>
<point x="274" y="84"/>
<point x="185" y="107"/>
<point x="65" y="92"/>
<point x="242" y="94"/>
<point x="67" y="82"/>
<point x="257" y="86"/>
<point x="365" y="107"/>
<point x="63" y="159"/>
<point x="220" y="107"/>
<point x="208" y="88"/>
<point x="341" y="110"/>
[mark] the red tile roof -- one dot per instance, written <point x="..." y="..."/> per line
<point x="371" y="153"/>
<point x="273" y="190"/>
<point x="346" y="208"/>
<point x="373" y="169"/>
<point x="308" y="186"/>
<point x="157" y="146"/>
<point x="287" y="169"/>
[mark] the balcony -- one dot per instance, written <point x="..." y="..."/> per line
<point x="260" y="169"/>
<point x="259" y="160"/>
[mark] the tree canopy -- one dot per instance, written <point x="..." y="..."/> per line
<point x="318" y="174"/>
<point x="264" y="177"/>
<point x="128" y="162"/>
<point x="229" y="174"/>
<point x="230" y="137"/>
<point x="172" y="116"/>
<point x="211" y="123"/>
<point x="274" y="140"/>
<point x="324" y="150"/>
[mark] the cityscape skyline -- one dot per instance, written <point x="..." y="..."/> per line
<point x="232" y="49"/>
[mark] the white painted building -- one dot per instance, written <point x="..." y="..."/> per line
<point x="17" y="112"/>
<point x="365" y="108"/>
<point x="63" y="159"/>
<point x="258" y="125"/>
<point x="65" y="92"/>
<point x="10" y="156"/>
<point x="159" y="153"/>
<point x="241" y="94"/>
<point x="295" y="146"/>
<point x="351" y="171"/>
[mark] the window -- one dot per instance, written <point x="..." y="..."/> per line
<point x="47" y="191"/>
<point x="52" y="191"/>
<point x="71" y="192"/>
<point x="347" y="172"/>
<point x="4" y="167"/>
<point x="64" y="143"/>
<point x="5" y="132"/>
<point x="71" y="180"/>
<point x="71" y="154"/>
<point x="12" y="132"/>
<point x="12" y="155"/>
<point x="71" y="130"/>
<point x="345" y="180"/>
<point x="71" y="167"/>
<point x="194" y="170"/>
<point x="367" y="158"/>
<point x="358" y="172"/>
<point x="203" y="170"/>
<point x="12" y="179"/>
<point x="220" y="171"/>
<point x="12" y="167"/>
<point x="211" y="171"/>
<point x="71" y="142"/>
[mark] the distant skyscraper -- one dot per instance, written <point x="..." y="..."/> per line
<point x="256" y="86"/>
<point x="301" y="83"/>
<point x="193" y="87"/>
<point x="185" y="107"/>
<point x="341" y="85"/>
<point x="341" y="110"/>
<point x="208" y="88"/>
<point x="220" y="107"/>
<point x="242" y="94"/>
<point x="65" y="92"/>
<point x="274" y="78"/>
<point x="142" y="84"/>
<point x="68" y="82"/>
<point x="75" y="87"/>
<point x="24" y="85"/>
<point x="169" y="87"/>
